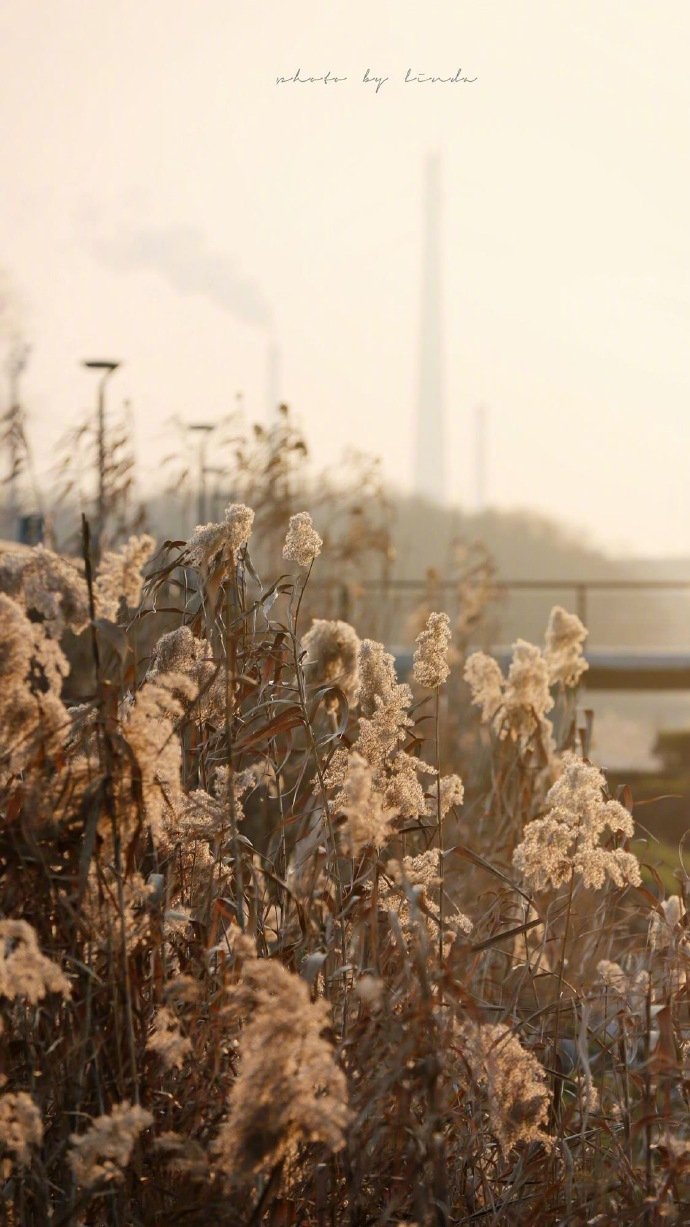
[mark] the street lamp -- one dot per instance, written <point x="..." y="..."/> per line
<point x="215" y="470"/>
<point x="107" y="369"/>
<point x="17" y="361"/>
<point x="204" y="429"/>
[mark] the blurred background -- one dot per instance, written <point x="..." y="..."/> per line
<point x="482" y="286"/>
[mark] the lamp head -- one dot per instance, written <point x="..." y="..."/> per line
<point x="100" y="365"/>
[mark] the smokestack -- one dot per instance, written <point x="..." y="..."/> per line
<point x="430" y="477"/>
<point x="480" y="423"/>
<point x="273" y="377"/>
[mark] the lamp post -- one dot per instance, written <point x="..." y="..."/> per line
<point x="107" y="369"/>
<point x="480" y="423"/>
<point x="17" y="361"/>
<point x="204" y="430"/>
<point x="214" y="470"/>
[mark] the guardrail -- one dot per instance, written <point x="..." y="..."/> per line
<point x="608" y="670"/>
<point x="619" y="613"/>
<point x="580" y="589"/>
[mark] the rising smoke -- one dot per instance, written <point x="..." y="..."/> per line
<point x="182" y="256"/>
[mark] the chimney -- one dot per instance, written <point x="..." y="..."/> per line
<point x="480" y="457"/>
<point x="273" y="378"/>
<point x="430" y="477"/>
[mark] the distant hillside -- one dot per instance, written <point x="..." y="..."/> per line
<point x="523" y="545"/>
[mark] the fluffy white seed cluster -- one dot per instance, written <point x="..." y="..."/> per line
<point x="458" y="924"/>
<point x="332" y="656"/>
<point x="103" y="1152"/>
<point x="421" y="872"/>
<point x="452" y="793"/>
<point x="383" y="702"/>
<point x="526" y="696"/>
<point x="420" y="875"/>
<point x="239" y="521"/>
<point x="289" y="1089"/>
<point x="564" y="639"/>
<point x="403" y="788"/>
<point x="418" y="879"/>
<point x="119" y="576"/>
<point x="430" y="666"/>
<point x="48" y="585"/>
<point x="221" y="542"/>
<point x="517" y="705"/>
<point x="378" y="682"/>
<point x="21" y="1126"/>
<point x="32" y="668"/>
<point x="24" y="970"/>
<point x="167" y="1040"/>
<point x="302" y="542"/>
<point x="613" y="976"/>
<point x="149" y="727"/>
<point x="367" y="818"/>
<point x="568" y="838"/>
<point x="180" y="651"/>
<point x="667" y="927"/>
<point x="513" y="1081"/>
<point x="485" y="680"/>
<point x="631" y="989"/>
<point x="384" y="721"/>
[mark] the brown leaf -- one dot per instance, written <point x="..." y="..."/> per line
<point x="289" y="718"/>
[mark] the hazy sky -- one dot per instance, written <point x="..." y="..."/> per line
<point x="166" y="203"/>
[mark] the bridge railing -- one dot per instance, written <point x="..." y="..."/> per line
<point x="622" y="614"/>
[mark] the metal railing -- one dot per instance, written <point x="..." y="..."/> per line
<point x="628" y="614"/>
<point x="581" y="589"/>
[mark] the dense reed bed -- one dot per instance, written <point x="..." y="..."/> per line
<point x="286" y="938"/>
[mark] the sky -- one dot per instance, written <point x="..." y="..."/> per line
<point x="167" y="204"/>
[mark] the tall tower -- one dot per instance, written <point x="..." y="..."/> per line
<point x="273" y="377"/>
<point x="480" y="425"/>
<point x="430" y="477"/>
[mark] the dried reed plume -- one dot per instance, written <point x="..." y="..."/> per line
<point x="288" y="939"/>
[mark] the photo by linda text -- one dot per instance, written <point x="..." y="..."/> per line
<point x="376" y="80"/>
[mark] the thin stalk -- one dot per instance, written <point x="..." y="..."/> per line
<point x="559" y="989"/>
<point x="439" y="819"/>
<point x="322" y="787"/>
<point x="649" y="1169"/>
<point x="107" y="765"/>
<point x="230" y="673"/>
